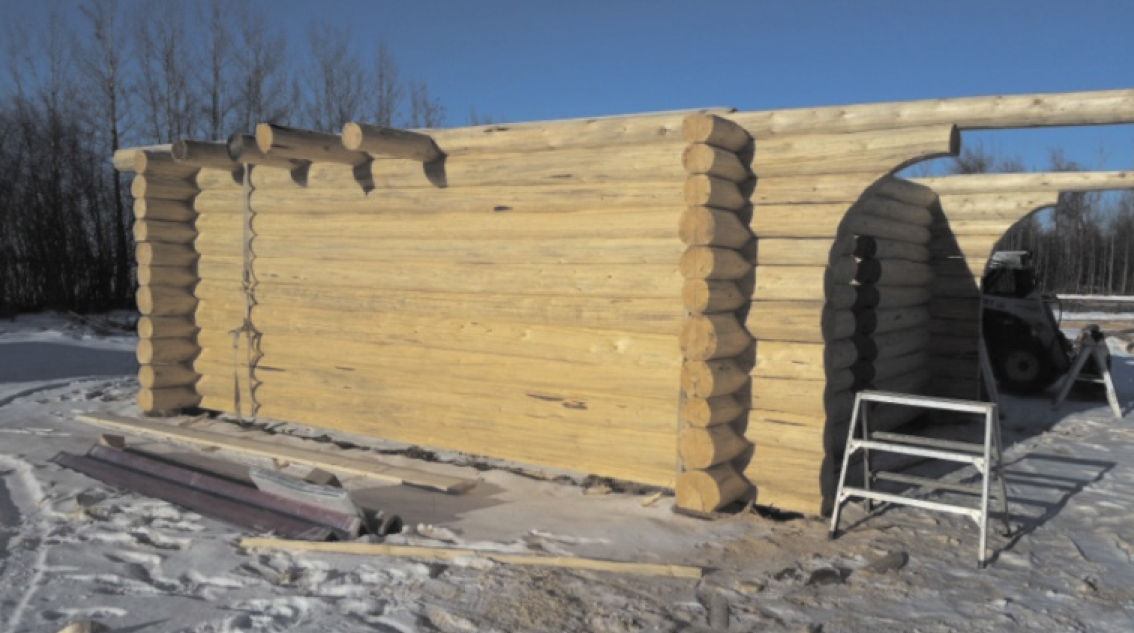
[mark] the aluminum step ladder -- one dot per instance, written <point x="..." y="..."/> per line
<point x="987" y="458"/>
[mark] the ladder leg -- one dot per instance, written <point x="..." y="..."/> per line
<point x="998" y="447"/>
<point x="1111" y="395"/>
<point x="1073" y="374"/>
<point x="986" y="471"/>
<point x="838" y="509"/>
<point x="866" y="475"/>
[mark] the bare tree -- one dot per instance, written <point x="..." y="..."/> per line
<point x="262" y="81"/>
<point x="166" y="58"/>
<point x="388" y="91"/>
<point x="335" y="83"/>
<point x="425" y="111"/>
<point x="215" y="18"/>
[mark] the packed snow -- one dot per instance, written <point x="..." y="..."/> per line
<point x="72" y="548"/>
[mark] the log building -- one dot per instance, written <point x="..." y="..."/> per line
<point x="688" y="300"/>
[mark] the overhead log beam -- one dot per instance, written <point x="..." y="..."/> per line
<point x="376" y="140"/>
<point x="1031" y="182"/>
<point x="203" y="154"/>
<point x="242" y="148"/>
<point x="305" y="145"/>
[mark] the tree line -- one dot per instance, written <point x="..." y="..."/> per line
<point x="1081" y="246"/>
<point x="107" y="74"/>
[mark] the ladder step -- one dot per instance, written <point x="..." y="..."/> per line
<point x="930" y="402"/>
<point x="975" y="460"/>
<point x="972" y="513"/>
<point x="968" y="447"/>
<point x="925" y="482"/>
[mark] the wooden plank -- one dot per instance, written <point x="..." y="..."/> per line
<point x="366" y="468"/>
<point x="438" y="553"/>
<point x="1059" y="181"/>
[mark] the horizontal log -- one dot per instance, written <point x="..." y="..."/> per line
<point x="164" y="210"/>
<point x="1102" y="107"/>
<point x="801" y="397"/>
<point x="941" y="345"/>
<point x="160" y="165"/>
<point x="614" y="451"/>
<point x="159" y="231"/>
<point x="123" y="159"/>
<point x="504" y="250"/>
<point x="706" y="379"/>
<point x="615" y="281"/>
<point x="166" y="376"/>
<point x="305" y="145"/>
<point x="165" y="301"/>
<point x="480" y="200"/>
<point x="642" y="315"/>
<point x="809" y="361"/>
<point x="799" y="251"/>
<point x="955" y="308"/>
<point x="797" y="220"/>
<point x="706" y="262"/>
<point x="900" y="343"/>
<point x="967" y="366"/>
<point x="948" y="285"/>
<point x="166" y="351"/>
<point x="914" y="382"/>
<point x="700" y="158"/>
<point x="163" y="254"/>
<point x="701" y="448"/>
<point x="712" y="411"/>
<point x="845" y="188"/>
<point x="885" y="297"/>
<point x="1061" y="181"/>
<point x="622" y="165"/>
<point x="906" y="191"/>
<point x="710" y="297"/>
<point x="709" y="191"/>
<point x="990" y="206"/>
<point x="578" y="345"/>
<point x="154" y="327"/>
<point x="969" y="326"/>
<point x="866" y="372"/>
<point x="167" y="401"/>
<point x="714" y="130"/>
<point x="893" y="272"/>
<point x="800" y="321"/>
<point x="242" y="148"/>
<point x="711" y="489"/>
<point x="177" y="276"/>
<point x="788" y="478"/>
<point x="162" y="188"/>
<point x="869" y="151"/>
<point x="376" y="140"/>
<point x="713" y="336"/>
<point x="200" y="154"/>
<point x="860" y="222"/>
<point x="802" y="283"/>
<point x="895" y="210"/>
<point x="705" y="226"/>
<point x="893" y="319"/>
<point x="867" y="247"/>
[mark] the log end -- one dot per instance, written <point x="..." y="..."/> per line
<point x="265" y="135"/>
<point x="710" y="490"/>
<point x="352" y="136"/>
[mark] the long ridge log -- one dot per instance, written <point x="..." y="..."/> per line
<point x="242" y="148"/>
<point x="376" y="140"/>
<point x="305" y="145"/>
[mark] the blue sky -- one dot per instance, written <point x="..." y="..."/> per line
<point x="520" y="61"/>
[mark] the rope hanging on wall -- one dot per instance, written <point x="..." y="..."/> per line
<point x="248" y="283"/>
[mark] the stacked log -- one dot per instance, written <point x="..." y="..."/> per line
<point x="164" y="233"/>
<point x="712" y="339"/>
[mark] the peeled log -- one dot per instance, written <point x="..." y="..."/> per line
<point x="706" y="262"/>
<point x="162" y="188"/>
<point x="305" y="145"/>
<point x="798" y="252"/>
<point x="801" y="397"/>
<point x="704" y="447"/>
<point x="165" y="376"/>
<point x="708" y="297"/>
<point x="165" y="301"/>
<point x="807" y="361"/>
<point x="867" y="371"/>
<point x="801" y="321"/>
<point x="164" y="210"/>
<point x="906" y="191"/>
<point x="242" y="148"/>
<point x="713" y="336"/>
<point x="707" y="379"/>
<point x="716" y="131"/>
<point x="160" y="401"/>
<point x="158" y="231"/>
<point x="150" y="327"/>
<point x="867" y="247"/>
<point x="862" y="223"/>
<point x="704" y="190"/>
<point x="705" y="412"/>
<point x="705" y="226"/>
<point x="893" y="272"/>
<point x="162" y="254"/>
<point x="177" y="276"/>
<point x="699" y="158"/>
<point x="159" y="164"/>
<point x="868" y="151"/>
<point x="896" y="211"/>
<point x="890" y="297"/>
<point x="123" y="159"/>
<point x="900" y="318"/>
<point x="383" y="141"/>
<point x="901" y="342"/>
<point x="709" y="490"/>
<point x="203" y="154"/>
<point x="914" y="382"/>
<point x="797" y="221"/>
<point x="166" y="351"/>
<point x="802" y="283"/>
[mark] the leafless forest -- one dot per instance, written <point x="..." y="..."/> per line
<point x="115" y="74"/>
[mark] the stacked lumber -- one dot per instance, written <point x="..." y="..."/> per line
<point x="713" y="341"/>
<point x="164" y="233"/>
<point x="505" y="291"/>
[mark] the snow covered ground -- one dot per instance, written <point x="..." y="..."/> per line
<point x="72" y="548"/>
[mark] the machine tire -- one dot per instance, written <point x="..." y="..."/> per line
<point x="1023" y="367"/>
